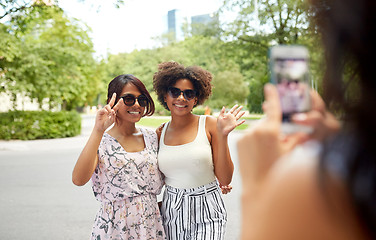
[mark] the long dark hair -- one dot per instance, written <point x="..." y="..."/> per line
<point x="348" y="29"/>
<point x="117" y="84"/>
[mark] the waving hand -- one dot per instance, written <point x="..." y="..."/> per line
<point x="228" y="121"/>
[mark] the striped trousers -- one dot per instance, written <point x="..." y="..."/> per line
<point x="194" y="213"/>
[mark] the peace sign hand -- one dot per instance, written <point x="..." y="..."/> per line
<point x="107" y="115"/>
<point x="229" y="121"/>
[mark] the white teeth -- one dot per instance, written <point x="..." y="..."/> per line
<point x="134" y="112"/>
<point x="179" y="105"/>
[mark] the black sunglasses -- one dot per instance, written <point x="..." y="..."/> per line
<point x="188" y="94"/>
<point x="130" y="100"/>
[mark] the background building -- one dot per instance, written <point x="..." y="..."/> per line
<point x="203" y="19"/>
<point x="205" y="24"/>
<point x="195" y="25"/>
<point x="175" y="22"/>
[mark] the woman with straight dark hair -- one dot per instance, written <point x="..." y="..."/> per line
<point x="323" y="189"/>
<point x="122" y="164"/>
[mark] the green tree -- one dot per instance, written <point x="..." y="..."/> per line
<point x="259" y="25"/>
<point x="280" y="21"/>
<point x="229" y="89"/>
<point x="11" y="7"/>
<point x="55" y="62"/>
<point x="206" y="52"/>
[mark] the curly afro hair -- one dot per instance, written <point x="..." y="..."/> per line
<point x="170" y="72"/>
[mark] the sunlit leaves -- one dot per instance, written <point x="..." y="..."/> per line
<point x="51" y="59"/>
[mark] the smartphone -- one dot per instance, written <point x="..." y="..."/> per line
<point x="289" y="71"/>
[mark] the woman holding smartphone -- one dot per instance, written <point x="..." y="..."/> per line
<point x="324" y="188"/>
<point x="193" y="154"/>
<point x="122" y="163"/>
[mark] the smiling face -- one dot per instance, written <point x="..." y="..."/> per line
<point x="181" y="105"/>
<point x="130" y="113"/>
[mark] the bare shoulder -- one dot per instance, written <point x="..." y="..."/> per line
<point x="211" y="122"/>
<point x="294" y="205"/>
<point x="159" y="130"/>
<point x="211" y="127"/>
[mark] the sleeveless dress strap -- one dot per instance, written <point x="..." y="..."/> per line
<point x="202" y="130"/>
<point x="202" y="123"/>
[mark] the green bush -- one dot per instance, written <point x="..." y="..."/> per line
<point x="29" y="125"/>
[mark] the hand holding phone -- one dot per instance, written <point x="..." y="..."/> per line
<point x="289" y="68"/>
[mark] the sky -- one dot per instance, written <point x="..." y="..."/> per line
<point x="134" y="24"/>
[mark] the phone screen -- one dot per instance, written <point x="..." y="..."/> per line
<point x="292" y="80"/>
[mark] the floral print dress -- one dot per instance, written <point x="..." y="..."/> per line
<point x="126" y="184"/>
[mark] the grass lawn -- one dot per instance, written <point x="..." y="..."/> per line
<point x="242" y="127"/>
<point x="152" y="122"/>
<point x="253" y="117"/>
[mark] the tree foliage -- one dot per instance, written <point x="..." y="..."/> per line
<point x="50" y="58"/>
<point x="258" y="26"/>
<point x="206" y="52"/>
<point x="46" y="55"/>
<point x="281" y="21"/>
<point x="11" y="7"/>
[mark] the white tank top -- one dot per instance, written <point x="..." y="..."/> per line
<point x="188" y="165"/>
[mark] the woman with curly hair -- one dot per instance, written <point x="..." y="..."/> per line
<point x="193" y="154"/>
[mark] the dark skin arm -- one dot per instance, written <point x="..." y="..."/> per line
<point x="219" y="129"/>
